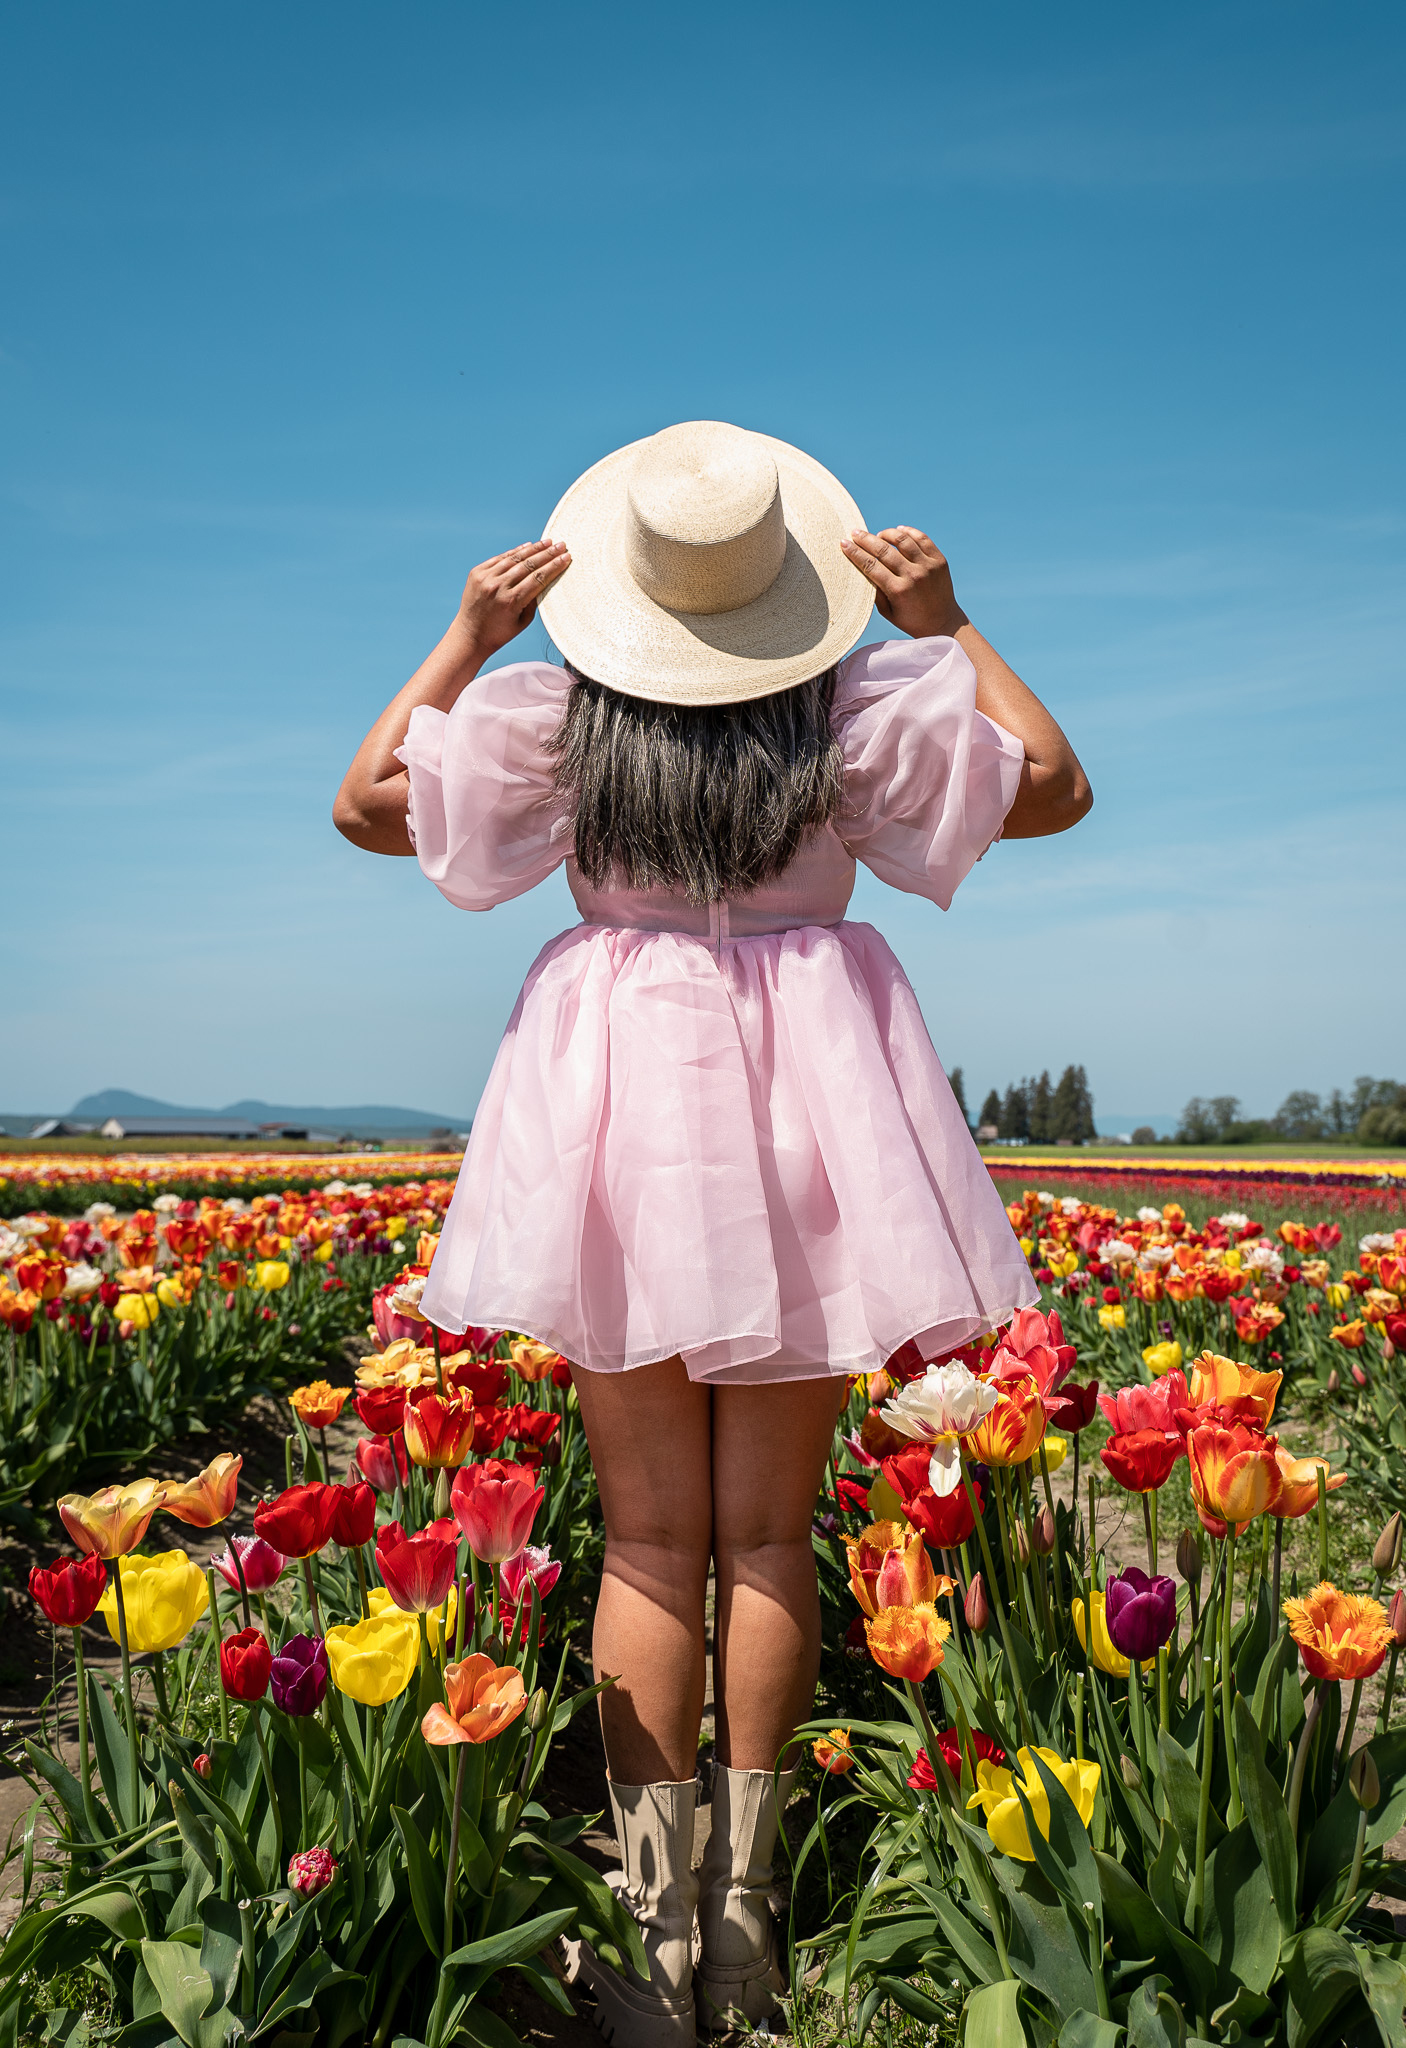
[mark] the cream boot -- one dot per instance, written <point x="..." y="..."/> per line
<point x="656" y="1881"/>
<point x="740" y="1973"/>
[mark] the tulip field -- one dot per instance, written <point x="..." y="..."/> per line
<point x="1106" y="1752"/>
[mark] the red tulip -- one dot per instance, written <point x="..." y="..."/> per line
<point x="201" y="1766"/>
<point x="383" y="1459"/>
<point x="311" y="1871"/>
<point x="1142" y="1461"/>
<point x="353" y="1514"/>
<point x="945" y="1520"/>
<point x="299" y="1521"/>
<point x="482" y="1379"/>
<point x="69" y="1591"/>
<point x="245" y="1663"/>
<point x="381" y="1409"/>
<point x="418" y="1571"/>
<point x="496" y="1504"/>
<point x="490" y="1429"/>
<point x="1072" y="1408"/>
<point x="528" y="1425"/>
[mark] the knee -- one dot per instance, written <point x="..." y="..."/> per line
<point x="764" y="1553"/>
<point x="650" y="1553"/>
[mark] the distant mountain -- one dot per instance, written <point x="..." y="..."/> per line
<point x="120" y="1102"/>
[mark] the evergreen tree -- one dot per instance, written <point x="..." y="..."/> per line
<point x="1014" y="1120"/>
<point x="1084" y="1108"/>
<point x="1041" y="1102"/>
<point x="954" y="1081"/>
<point x="991" y="1110"/>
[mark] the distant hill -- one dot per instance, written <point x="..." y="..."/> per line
<point x="120" y="1102"/>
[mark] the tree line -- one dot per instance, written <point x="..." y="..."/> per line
<point x="1042" y="1111"/>
<point x="1372" y="1112"/>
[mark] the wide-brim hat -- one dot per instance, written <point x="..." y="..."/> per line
<point x="706" y="568"/>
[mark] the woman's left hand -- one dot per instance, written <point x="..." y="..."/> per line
<point x="911" y="579"/>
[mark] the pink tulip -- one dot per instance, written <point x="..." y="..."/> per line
<point x="531" y="1566"/>
<point x="262" y="1563"/>
<point x="1154" y="1407"/>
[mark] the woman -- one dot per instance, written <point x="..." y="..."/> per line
<point x="717" y="1163"/>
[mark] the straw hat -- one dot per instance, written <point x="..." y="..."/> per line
<point x="706" y="568"/>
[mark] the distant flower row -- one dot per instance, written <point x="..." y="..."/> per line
<point x="66" y="1181"/>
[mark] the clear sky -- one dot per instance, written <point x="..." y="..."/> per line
<point x="305" y="309"/>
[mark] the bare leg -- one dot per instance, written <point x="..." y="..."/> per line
<point x="649" y="1432"/>
<point x="770" y="1444"/>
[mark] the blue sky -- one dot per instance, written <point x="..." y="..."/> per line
<point x="308" y="309"/>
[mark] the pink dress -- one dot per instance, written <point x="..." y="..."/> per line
<point x="724" y="1131"/>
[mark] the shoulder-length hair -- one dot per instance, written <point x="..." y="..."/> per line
<point x="707" y="800"/>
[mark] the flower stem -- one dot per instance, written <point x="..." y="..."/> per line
<point x="90" y="1811"/>
<point x="1384" y="1715"/>
<point x="1301" y="1757"/>
<point x="243" y="1583"/>
<point x="129" y="1703"/>
<point x="1322" y="1523"/>
<point x="1011" y="1666"/>
<point x="1147" y="1500"/>
<point x="266" y="1766"/>
<point x="1208" y="1749"/>
<point x="1060" y="1604"/>
<point x="215" y="1626"/>
<point x="1278" y="1567"/>
<point x="312" y="1595"/>
<point x="1345" y="1748"/>
<point x="1227" y="1678"/>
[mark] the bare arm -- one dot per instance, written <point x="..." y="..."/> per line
<point x="913" y="587"/>
<point x="500" y="599"/>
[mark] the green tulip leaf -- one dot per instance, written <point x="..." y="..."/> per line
<point x="1384" y="1985"/>
<point x="315" y="1974"/>
<point x="1321" y="1974"/>
<point x="61" y="1780"/>
<point x="1155" y="2020"/>
<point x="221" y="1950"/>
<point x="112" y="1905"/>
<point x="1241" y="1931"/>
<point x="911" y="2000"/>
<point x="1069" y="1841"/>
<point x="1138" y="1929"/>
<point x="182" y="1986"/>
<point x="968" y="1943"/>
<point x="991" y="2017"/>
<point x="112" y="1752"/>
<point x="195" y="1832"/>
<point x="1180" y="1781"/>
<point x="1087" y="2030"/>
<point x="1042" y="1946"/>
<point x="1268" y="1818"/>
<point x="426" y="1883"/>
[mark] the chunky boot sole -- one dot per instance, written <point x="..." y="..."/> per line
<point x="739" y="2000"/>
<point x="630" y="2015"/>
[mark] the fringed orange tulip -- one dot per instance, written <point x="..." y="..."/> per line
<point x="205" y="1500"/>
<point x="1340" y="1635"/>
<point x="1298" y="1484"/>
<point x="484" y="1699"/>
<point x="318" y="1404"/>
<point x="1234" y="1472"/>
<point x="1011" y="1433"/>
<point x="1215" y="1380"/>
<point x="907" y="1641"/>
<point x="866" y="1558"/>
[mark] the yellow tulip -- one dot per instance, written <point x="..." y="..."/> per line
<point x="373" y="1661"/>
<point x="1063" y="1264"/>
<point x="1056" y="1449"/>
<point x="1106" y="1655"/>
<point x="1160" y="1358"/>
<point x="114" y="1520"/>
<point x="323" y="1253"/>
<point x="1233" y="1258"/>
<point x="1027" y="1245"/>
<point x="284" y="1243"/>
<point x="380" y="1602"/>
<point x="140" y="1309"/>
<point x="271" y="1274"/>
<point x="394" y="1227"/>
<point x="164" y="1597"/>
<point x="1336" y="1294"/>
<point x="1113" y="1316"/>
<point x="996" y="1796"/>
<point x="884" y="1503"/>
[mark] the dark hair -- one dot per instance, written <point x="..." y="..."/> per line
<point x="707" y="799"/>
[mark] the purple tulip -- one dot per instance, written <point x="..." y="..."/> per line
<point x="299" y="1675"/>
<point x="1141" y="1612"/>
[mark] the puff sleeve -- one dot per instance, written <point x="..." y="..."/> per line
<point x="928" y="778"/>
<point x="484" y="816"/>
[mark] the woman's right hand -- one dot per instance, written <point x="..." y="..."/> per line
<point x="500" y="597"/>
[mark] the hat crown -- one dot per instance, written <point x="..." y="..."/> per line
<point x="704" y="526"/>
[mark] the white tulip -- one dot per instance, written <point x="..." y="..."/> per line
<point x="946" y="1403"/>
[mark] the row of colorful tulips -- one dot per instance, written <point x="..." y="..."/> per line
<point x="1113" y="1805"/>
<point x="119" y="1333"/>
<point x="359" y="1797"/>
<point x="1348" y="1170"/>
<point x="65" y="1183"/>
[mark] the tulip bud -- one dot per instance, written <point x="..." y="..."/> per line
<point x="493" y="1647"/>
<point x="310" y="1872"/>
<point x="537" y="1709"/>
<point x="1132" y="1776"/>
<point x="1362" y="1778"/>
<point x="977" y="1608"/>
<point x="1189" y="1562"/>
<point x="1022" y="1543"/>
<point x="551" y="1452"/>
<point x="1396" y="1617"/>
<point x="1387" y="1554"/>
<point x="201" y="1766"/>
<point x="1042" y="1535"/>
<point x="1359" y="1375"/>
<point x="1333" y="1381"/>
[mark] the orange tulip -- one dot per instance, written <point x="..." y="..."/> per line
<point x="1340" y="1635"/>
<point x="866" y="1557"/>
<point x="1298" y="1484"/>
<point x="832" y="1752"/>
<point x="1215" y="1379"/>
<point x="426" y="1247"/>
<point x="318" y="1404"/>
<point x="1234" y="1472"/>
<point x="1391" y="1271"/>
<point x="907" y="1641"/>
<point x="114" y="1520"/>
<point x="484" y="1699"/>
<point x="43" y="1275"/>
<point x="1352" y="1336"/>
<point x="1011" y="1433"/>
<point x="207" y="1499"/>
<point x="1256" y="1320"/>
<point x="439" y="1429"/>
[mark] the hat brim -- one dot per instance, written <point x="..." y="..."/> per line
<point x="610" y="630"/>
